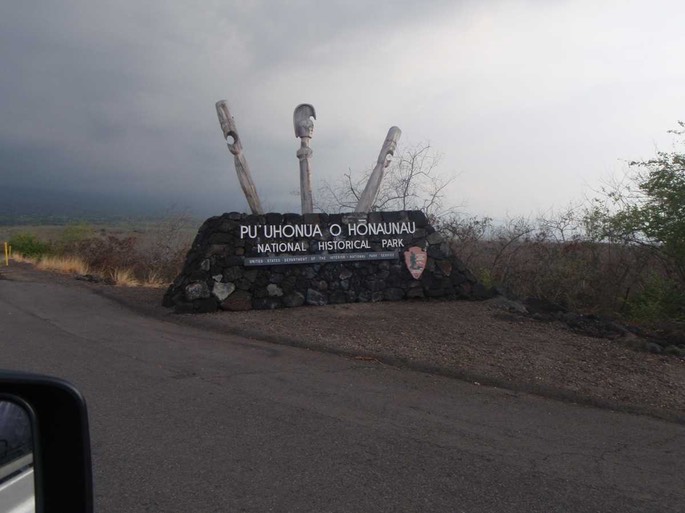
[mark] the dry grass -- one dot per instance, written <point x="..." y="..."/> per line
<point x="124" y="278"/>
<point x="62" y="264"/>
<point x="18" y="257"/>
<point x="154" y="280"/>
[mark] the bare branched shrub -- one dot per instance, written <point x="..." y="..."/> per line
<point x="412" y="182"/>
<point x="166" y="243"/>
<point x="106" y="254"/>
<point x="468" y="234"/>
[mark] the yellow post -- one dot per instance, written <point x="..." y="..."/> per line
<point x="7" y="254"/>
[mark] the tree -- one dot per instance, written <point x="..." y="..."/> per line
<point x="648" y="209"/>
<point x="412" y="182"/>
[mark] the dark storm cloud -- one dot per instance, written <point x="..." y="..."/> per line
<point x="99" y="97"/>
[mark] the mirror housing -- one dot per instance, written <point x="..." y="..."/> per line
<point x="62" y="458"/>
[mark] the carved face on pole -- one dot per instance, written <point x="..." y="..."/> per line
<point x="228" y="128"/>
<point x="370" y="192"/>
<point x="304" y="128"/>
<point x="304" y="125"/>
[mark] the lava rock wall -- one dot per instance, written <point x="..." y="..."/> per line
<point x="215" y="275"/>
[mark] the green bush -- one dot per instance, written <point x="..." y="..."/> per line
<point x="29" y="245"/>
<point x="659" y="299"/>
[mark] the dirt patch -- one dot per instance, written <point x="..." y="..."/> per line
<point x="467" y="340"/>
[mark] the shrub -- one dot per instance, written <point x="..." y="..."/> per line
<point x="162" y="253"/>
<point x="658" y="299"/>
<point x="553" y="258"/>
<point x="109" y="253"/>
<point x="28" y="245"/>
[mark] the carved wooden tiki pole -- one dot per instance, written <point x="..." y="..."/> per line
<point x="242" y="169"/>
<point x="304" y="128"/>
<point x="374" y="184"/>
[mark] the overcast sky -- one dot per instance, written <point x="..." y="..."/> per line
<point x="531" y="103"/>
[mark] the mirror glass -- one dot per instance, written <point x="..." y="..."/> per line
<point x="17" y="487"/>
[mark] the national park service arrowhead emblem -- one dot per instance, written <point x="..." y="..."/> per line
<point x="415" y="258"/>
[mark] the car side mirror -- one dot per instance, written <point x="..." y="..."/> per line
<point x="45" y="440"/>
<point x="17" y="476"/>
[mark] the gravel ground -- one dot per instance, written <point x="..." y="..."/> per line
<point x="474" y="341"/>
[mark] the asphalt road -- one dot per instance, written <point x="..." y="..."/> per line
<point x="187" y="420"/>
